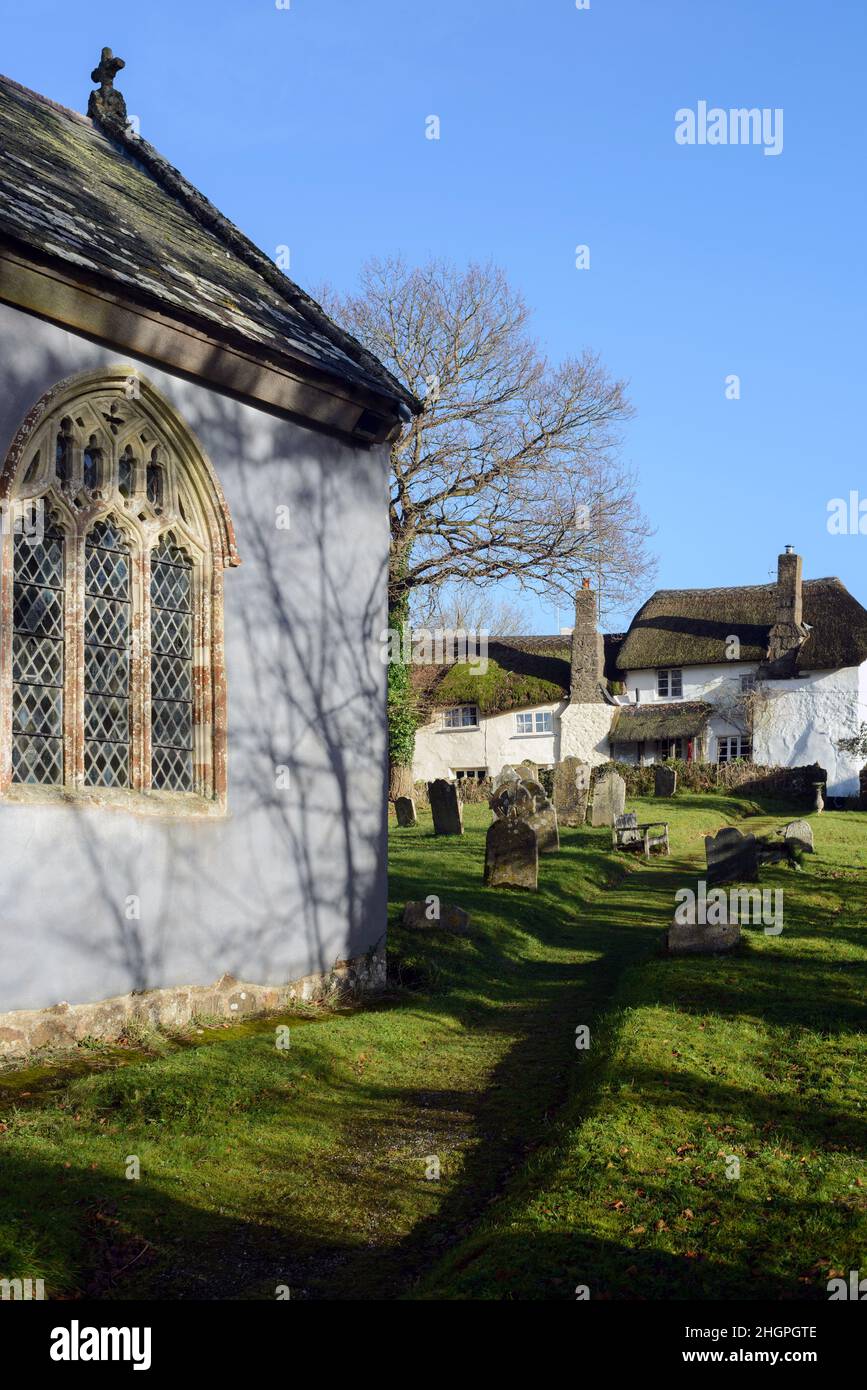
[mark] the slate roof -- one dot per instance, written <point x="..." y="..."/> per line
<point x="690" y="627"/>
<point x="111" y="206"/>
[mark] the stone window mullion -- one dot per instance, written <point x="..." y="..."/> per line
<point x="141" y="673"/>
<point x="74" y="703"/>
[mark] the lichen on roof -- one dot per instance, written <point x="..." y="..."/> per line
<point x="98" y="197"/>
<point x="521" y="671"/>
<point x="694" y="627"/>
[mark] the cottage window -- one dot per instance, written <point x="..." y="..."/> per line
<point x="669" y="684"/>
<point x="470" y="774"/>
<point x="669" y="748"/>
<point x="461" y="717"/>
<point x="111" y="677"/>
<point x="733" y="746"/>
<point x="535" y="721"/>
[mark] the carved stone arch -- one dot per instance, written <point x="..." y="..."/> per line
<point x="120" y="407"/>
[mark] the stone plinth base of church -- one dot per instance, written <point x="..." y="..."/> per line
<point x="64" y="1025"/>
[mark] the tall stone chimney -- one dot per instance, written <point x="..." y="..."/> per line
<point x="588" y="654"/>
<point x="788" y="631"/>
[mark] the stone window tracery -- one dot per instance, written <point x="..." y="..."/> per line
<point x="111" y="667"/>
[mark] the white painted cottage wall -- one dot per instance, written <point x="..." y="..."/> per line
<point x="802" y="722"/>
<point x="291" y="880"/>
<point x="440" y="751"/>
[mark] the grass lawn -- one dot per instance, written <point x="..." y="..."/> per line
<point x="308" y="1166"/>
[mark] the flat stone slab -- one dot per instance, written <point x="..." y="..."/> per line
<point x="449" y="917"/>
<point x="690" y="939"/>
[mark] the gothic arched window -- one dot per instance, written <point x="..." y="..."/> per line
<point x="111" y="677"/>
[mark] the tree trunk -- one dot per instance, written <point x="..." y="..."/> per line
<point x="399" y="781"/>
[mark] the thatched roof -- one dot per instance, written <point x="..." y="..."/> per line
<point x="690" y="627"/>
<point x="522" y="672"/>
<point x="641" y="723"/>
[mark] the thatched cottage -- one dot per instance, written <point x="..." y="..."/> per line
<point x="774" y="673"/>
<point x="194" y="548"/>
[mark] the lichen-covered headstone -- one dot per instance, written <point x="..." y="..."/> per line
<point x="571" y="791"/>
<point x="802" y="832"/>
<point x="664" y="780"/>
<point x="544" y="822"/>
<point x="511" y="855"/>
<point x="506" y="774"/>
<point x="731" y="856"/>
<point x="445" y="807"/>
<point x="404" y="809"/>
<point x="609" y="798"/>
<point x="529" y="771"/>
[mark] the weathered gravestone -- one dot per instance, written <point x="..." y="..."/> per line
<point x="506" y="775"/>
<point x="528" y="801"/>
<point x="571" y="790"/>
<point x="731" y="856"/>
<point x="445" y="807"/>
<point x="404" y="809"/>
<point x="801" y="831"/>
<point x="511" y="855"/>
<point x="529" y="771"/>
<point x="432" y="915"/>
<point x="609" y="798"/>
<point x="664" y="780"/>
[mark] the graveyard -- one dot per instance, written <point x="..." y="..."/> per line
<point x="451" y="1140"/>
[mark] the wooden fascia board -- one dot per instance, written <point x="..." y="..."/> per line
<point x="295" y="388"/>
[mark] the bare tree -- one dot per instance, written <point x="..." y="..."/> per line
<point x="465" y="607"/>
<point x="511" y="472"/>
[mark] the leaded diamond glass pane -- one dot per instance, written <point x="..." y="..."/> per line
<point x="106" y="670"/>
<point x="37" y="659"/>
<point x="106" y="622"/>
<point x="171" y="669"/>
<point x="172" y="725"/>
<point x="171" y="678"/>
<point x="107" y="572"/>
<point x="170" y="586"/>
<point x="37" y="709"/>
<point x="106" y="657"/>
<point x="38" y="760"/>
<point x="39" y="561"/>
<point x="170" y="632"/>
<point x="106" y="764"/>
<point x="107" y="717"/>
<point x="172" y="769"/>
<point x="38" y="612"/>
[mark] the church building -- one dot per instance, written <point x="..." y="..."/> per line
<point x="192" y="586"/>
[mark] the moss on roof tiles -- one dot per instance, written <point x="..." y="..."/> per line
<point x="691" y="627"/>
<point x="115" y="207"/>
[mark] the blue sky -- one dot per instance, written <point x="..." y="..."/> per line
<point x="306" y="127"/>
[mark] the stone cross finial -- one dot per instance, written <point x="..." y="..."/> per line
<point x="107" y="106"/>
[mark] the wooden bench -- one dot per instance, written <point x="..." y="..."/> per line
<point x="626" y="833"/>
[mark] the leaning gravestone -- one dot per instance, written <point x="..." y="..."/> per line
<point x="571" y="790"/>
<point x="664" y="781"/>
<point x="731" y="856"/>
<point x="802" y="831"/>
<point x="511" y="855"/>
<point x="609" y="799"/>
<point x="445" y="807"/>
<point x="404" y="809"/>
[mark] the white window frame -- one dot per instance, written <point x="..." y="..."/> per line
<point x="666" y="678"/>
<point x="455" y="719"/>
<point x="742" y="743"/>
<point x="541" y="721"/>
